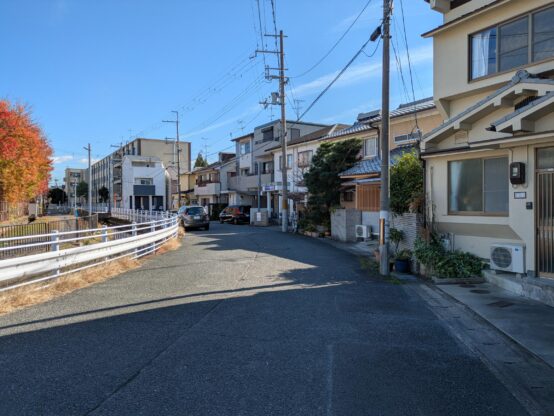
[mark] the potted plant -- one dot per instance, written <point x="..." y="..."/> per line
<point x="402" y="261"/>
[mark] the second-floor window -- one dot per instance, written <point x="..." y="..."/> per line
<point x="267" y="134"/>
<point x="245" y="148"/>
<point x="512" y="44"/>
<point x="370" y="147"/>
<point x="305" y="158"/>
<point x="144" y="181"/>
<point x="289" y="162"/>
<point x="267" y="167"/>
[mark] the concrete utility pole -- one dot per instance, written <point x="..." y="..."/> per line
<point x="384" y="267"/>
<point x="176" y="121"/>
<point x="282" y="82"/>
<point x="88" y="149"/>
<point x="282" y="103"/>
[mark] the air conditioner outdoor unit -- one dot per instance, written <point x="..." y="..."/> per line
<point x="508" y="257"/>
<point x="363" y="231"/>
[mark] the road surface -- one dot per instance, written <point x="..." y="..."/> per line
<point x="242" y="321"/>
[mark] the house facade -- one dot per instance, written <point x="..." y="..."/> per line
<point x="212" y="181"/>
<point x="144" y="184"/>
<point x="490" y="165"/>
<point x="362" y="184"/>
<point x="255" y="169"/>
<point x="300" y="152"/>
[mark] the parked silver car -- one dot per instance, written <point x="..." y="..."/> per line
<point x="194" y="217"/>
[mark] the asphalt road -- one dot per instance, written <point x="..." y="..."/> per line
<point x="242" y="321"/>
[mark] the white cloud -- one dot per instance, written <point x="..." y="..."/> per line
<point x="361" y="72"/>
<point x="370" y="16"/>
<point x="85" y="160"/>
<point x="61" y="159"/>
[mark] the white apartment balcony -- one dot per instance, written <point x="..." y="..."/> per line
<point x="207" y="188"/>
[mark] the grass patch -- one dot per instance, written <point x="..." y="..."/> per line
<point x="32" y="294"/>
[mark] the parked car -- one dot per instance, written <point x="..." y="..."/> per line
<point x="194" y="217"/>
<point x="235" y="214"/>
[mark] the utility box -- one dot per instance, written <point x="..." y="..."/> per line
<point x="259" y="218"/>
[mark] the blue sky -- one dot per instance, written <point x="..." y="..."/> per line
<point x="103" y="71"/>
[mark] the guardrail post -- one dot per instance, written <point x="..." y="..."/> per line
<point x="104" y="233"/>
<point x="55" y="246"/>
<point x="152" y="229"/>
<point x="134" y="234"/>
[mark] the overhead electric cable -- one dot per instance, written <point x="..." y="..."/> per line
<point x="335" y="44"/>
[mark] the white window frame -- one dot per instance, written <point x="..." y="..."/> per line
<point x="375" y="149"/>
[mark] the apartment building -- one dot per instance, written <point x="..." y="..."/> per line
<point x="490" y="165"/>
<point x="108" y="171"/>
<point x="71" y="180"/>
<point x="255" y="166"/>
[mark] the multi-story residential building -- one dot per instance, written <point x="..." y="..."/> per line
<point x="71" y="180"/>
<point x="490" y="165"/>
<point x="361" y="189"/>
<point x="254" y="166"/>
<point x="212" y="181"/>
<point x="108" y="173"/>
<point x="145" y="183"/>
<point x="299" y="154"/>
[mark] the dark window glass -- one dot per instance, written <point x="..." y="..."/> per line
<point x="195" y="211"/>
<point x="496" y="188"/>
<point x="294" y="134"/>
<point x="466" y="185"/>
<point x="543" y="34"/>
<point x="267" y="134"/>
<point x="483" y="53"/>
<point x="514" y="44"/>
<point x="545" y="158"/>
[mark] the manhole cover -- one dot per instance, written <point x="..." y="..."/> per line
<point x="467" y="285"/>
<point x="480" y="291"/>
<point x="501" y="304"/>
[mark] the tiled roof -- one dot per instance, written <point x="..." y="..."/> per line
<point x="548" y="96"/>
<point x="365" y="119"/>
<point x="373" y="165"/>
<point x="520" y="76"/>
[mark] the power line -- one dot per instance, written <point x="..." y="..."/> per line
<point x="336" y="43"/>
<point x="342" y="71"/>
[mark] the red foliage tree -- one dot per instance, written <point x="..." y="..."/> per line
<point x="25" y="155"/>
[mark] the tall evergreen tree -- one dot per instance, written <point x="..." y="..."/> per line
<point x="200" y="161"/>
<point x="323" y="181"/>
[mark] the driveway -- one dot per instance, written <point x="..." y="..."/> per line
<point x="242" y="321"/>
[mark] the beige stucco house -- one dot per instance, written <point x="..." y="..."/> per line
<point x="490" y="165"/>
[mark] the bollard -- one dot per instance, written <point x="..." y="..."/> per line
<point x="55" y="246"/>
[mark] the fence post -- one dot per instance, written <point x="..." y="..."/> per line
<point x="104" y="233"/>
<point x="152" y="229"/>
<point x="55" y="245"/>
<point x="134" y="234"/>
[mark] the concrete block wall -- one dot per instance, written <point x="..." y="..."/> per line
<point x="343" y="224"/>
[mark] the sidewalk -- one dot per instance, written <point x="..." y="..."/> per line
<point x="527" y="322"/>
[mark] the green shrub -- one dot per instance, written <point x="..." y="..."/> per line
<point x="446" y="264"/>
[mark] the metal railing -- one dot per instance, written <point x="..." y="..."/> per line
<point x="72" y="251"/>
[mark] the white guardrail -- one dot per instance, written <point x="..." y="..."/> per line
<point x="68" y="252"/>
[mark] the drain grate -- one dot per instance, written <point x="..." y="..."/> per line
<point x="501" y="304"/>
<point x="480" y="291"/>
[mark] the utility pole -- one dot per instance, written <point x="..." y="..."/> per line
<point x="176" y="121"/>
<point x="88" y="149"/>
<point x="282" y="81"/>
<point x="282" y="102"/>
<point x="384" y="267"/>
